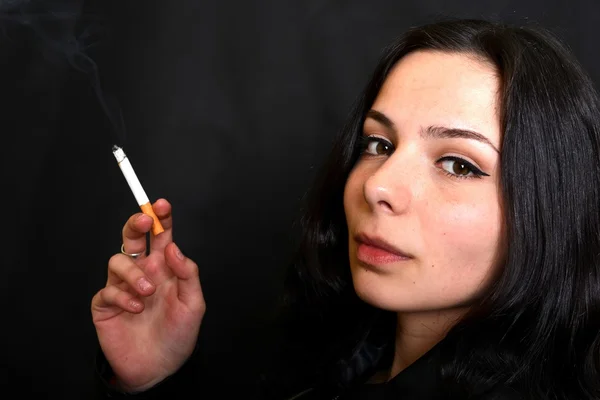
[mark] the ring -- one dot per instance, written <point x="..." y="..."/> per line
<point x="132" y="255"/>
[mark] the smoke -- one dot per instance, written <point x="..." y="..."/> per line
<point x="61" y="33"/>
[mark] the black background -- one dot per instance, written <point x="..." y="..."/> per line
<point x="227" y="110"/>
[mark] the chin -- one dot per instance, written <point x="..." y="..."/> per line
<point x="380" y="291"/>
<point x="392" y="293"/>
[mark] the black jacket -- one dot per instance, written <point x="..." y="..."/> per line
<point x="417" y="382"/>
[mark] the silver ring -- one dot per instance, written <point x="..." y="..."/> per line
<point x="132" y="255"/>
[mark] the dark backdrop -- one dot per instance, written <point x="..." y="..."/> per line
<point x="225" y="108"/>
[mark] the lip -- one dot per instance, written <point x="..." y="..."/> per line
<point x="375" y="251"/>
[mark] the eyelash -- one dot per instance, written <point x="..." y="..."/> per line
<point x="364" y="142"/>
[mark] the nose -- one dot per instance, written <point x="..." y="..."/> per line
<point x="388" y="190"/>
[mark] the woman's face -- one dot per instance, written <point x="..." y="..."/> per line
<point x="423" y="203"/>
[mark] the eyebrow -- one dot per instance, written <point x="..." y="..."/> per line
<point x="436" y="132"/>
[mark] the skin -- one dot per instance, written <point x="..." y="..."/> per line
<point x="401" y="191"/>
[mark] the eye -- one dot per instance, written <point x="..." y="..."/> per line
<point x="375" y="146"/>
<point x="460" y="168"/>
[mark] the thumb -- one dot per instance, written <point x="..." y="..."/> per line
<point x="186" y="271"/>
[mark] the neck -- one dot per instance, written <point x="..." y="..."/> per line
<point x="417" y="333"/>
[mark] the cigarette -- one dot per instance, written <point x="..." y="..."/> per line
<point x="136" y="188"/>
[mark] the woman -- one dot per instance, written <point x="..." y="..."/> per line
<point x="451" y="247"/>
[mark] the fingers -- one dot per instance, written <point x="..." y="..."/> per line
<point x="134" y="233"/>
<point x="162" y="209"/>
<point x="189" y="289"/>
<point x="139" y="224"/>
<point x="123" y="269"/>
<point x="112" y="300"/>
<point x="126" y="281"/>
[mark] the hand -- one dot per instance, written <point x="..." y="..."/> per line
<point x="148" y="315"/>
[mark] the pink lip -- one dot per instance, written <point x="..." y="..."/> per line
<point x="376" y="251"/>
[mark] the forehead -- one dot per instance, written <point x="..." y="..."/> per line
<point x="437" y="88"/>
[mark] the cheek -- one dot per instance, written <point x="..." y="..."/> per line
<point x="465" y="233"/>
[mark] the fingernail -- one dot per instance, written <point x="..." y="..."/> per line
<point x="178" y="252"/>
<point x="144" y="284"/>
<point x="135" y="304"/>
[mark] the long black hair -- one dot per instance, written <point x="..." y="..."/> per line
<point x="537" y="329"/>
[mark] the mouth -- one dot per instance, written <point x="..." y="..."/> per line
<point x="375" y="251"/>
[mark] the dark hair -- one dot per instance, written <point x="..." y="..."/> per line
<point x="537" y="329"/>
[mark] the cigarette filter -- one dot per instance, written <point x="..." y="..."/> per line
<point x="136" y="188"/>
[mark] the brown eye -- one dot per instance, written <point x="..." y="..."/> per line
<point x="376" y="146"/>
<point x="456" y="167"/>
<point x="459" y="168"/>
